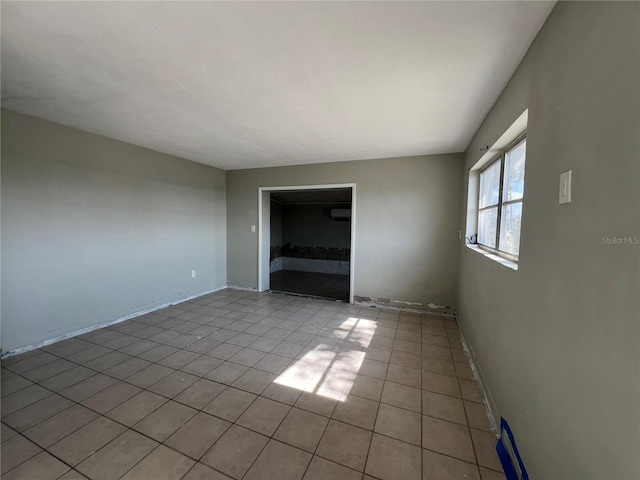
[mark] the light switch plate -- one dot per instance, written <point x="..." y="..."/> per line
<point x="565" y="187"/>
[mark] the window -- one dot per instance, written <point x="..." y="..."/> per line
<point x="500" y="201"/>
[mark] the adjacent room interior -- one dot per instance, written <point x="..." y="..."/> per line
<point x="310" y="243"/>
<point x="314" y="240"/>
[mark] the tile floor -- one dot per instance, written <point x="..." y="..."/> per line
<point x="325" y="285"/>
<point x="249" y="386"/>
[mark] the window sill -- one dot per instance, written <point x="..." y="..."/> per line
<point x="496" y="258"/>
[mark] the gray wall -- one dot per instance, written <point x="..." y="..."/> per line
<point x="276" y="224"/>
<point x="408" y="217"/>
<point x="557" y="341"/>
<point x="95" y="229"/>
<point x="312" y="226"/>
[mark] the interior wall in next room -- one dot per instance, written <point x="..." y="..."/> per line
<point x="312" y="226"/>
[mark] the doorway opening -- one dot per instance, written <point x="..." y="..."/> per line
<point x="306" y="236"/>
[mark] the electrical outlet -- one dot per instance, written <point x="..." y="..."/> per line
<point x="193" y="274"/>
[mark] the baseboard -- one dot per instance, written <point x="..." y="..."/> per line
<point x="82" y="331"/>
<point x="487" y="398"/>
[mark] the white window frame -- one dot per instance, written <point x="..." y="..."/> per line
<point x="501" y="157"/>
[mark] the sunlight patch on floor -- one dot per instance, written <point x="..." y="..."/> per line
<point x="330" y="371"/>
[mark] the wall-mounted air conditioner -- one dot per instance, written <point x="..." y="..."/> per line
<point x="341" y="214"/>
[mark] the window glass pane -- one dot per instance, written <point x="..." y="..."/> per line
<point x="510" y="228"/>
<point x="490" y="185"/>
<point x="487" y="225"/>
<point x="514" y="172"/>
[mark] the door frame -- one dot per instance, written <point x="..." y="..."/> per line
<point x="264" y="226"/>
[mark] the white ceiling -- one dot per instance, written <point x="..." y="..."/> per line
<point x="251" y="84"/>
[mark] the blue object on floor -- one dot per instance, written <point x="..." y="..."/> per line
<point x="506" y="452"/>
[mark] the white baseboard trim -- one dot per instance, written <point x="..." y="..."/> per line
<point x="487" y="398"/>
<point x="82" y="331"/>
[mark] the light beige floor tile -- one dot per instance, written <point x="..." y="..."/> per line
<point x="436" y="340"/>
<point x="227" y="373"/>
<point x="68" y="378"/>
<point x="485" y="447"/>
<point x="149" y="375"/>
<point x="161" y="464"/>
<point x="441" y="467"/>
<point x="273" y="363"/>
<point x="224" y="351"/>
<point x="367" y="387"/>
<point x="173" y="384"/>
<point x="444" y="407"/>
<point x="201" y="365"/>
<point x="136" y="408"/>
<point x="73" y="475"/>
<point x="156" y="354"/>
<point x="373" y="368"/>
<point x="179" y="359"/>
<point x="357" y="411"/>
<point x="487" y="474"/>
<point x="117" y="457"/>
<point x="11" y="382"/>
<point x="127" y="368"/>
<point x="86" y="388"/>
<point x="444" y="384"/>
<point x="201" y="472"/>
<point x="200" y="394"/>
<point x="406" y="359"/>
<point x="15" y="451"/>
<point x="391" y="459"/>
<point x="107" y="361"/>
<point x="37" y="412"/>
<point x="438" y="365"/>
<point x="196" y="436"/>
<point x="278" y="461"/>
<point x="402" y="396"/>
<point x="235" y="451"/>
<point x="436" y="351"/>
<point x="463" y="370"/>
<point x="110" y="397"/>
<point x="345" y="444"/>
<point x="41" y="467"/>
<point x="230" y="404"/>
<point x="470" y="390"/>
<point x="408" y="347"/>
<point x="160" y="424"/>
<point x="282" y="393"/>
<point x="7" y="432"/>
<point x="315" y="403"/>
<point x="28" y="361"/>
<point x="48" y="370"/>
<point x="321" y="469"/>
<point x="404" y="375"/>
<point x="88" y="354"/>
<point x="447" y="438"/>
<point x="86" y="440"/>
<point x="263" y="416"/>
<point x="23" y="398"/>
<point x="302" y="429"/>
<point x="477" y="416"/>
<point x="59" y="426"/>
<point x="399" y="423"/>
<point x="254" y="381"/>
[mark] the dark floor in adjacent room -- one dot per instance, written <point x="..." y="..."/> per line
<point x="324" y="285"/>
<point x="250" y="386"/>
